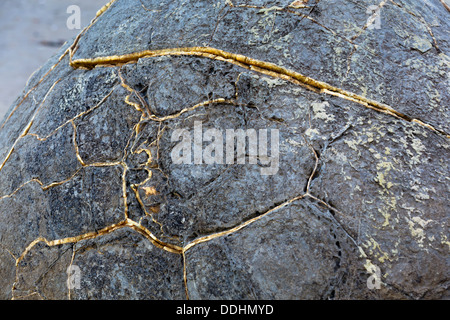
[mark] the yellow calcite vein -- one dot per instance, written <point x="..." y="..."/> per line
<point x="260" y="66"/>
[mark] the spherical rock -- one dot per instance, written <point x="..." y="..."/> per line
<point x="233" y="150"/>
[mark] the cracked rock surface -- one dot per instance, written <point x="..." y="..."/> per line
<point x="89" y="187"/>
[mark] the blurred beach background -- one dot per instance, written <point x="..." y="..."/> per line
<point x="31" y="31"/>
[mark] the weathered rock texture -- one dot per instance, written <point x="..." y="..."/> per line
<point x="362" y="190"/>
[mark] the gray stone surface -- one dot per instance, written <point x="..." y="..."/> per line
<point x="30" y="32"/>
<point x="360" y="195"/>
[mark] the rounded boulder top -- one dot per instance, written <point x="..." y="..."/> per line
<point x="233" y="150"/>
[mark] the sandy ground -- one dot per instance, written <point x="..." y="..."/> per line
<point x="31" y="31"/>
